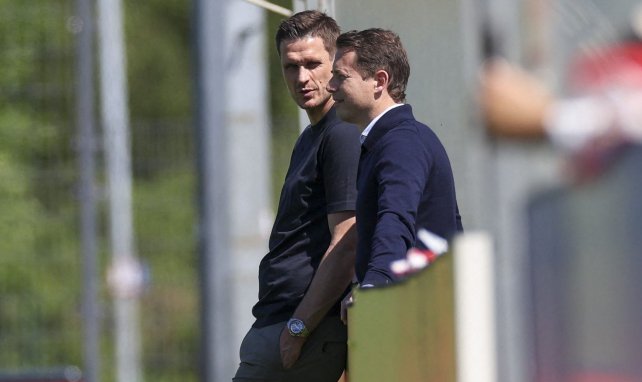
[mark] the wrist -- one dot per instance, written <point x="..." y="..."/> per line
<point x="297" y="328"/>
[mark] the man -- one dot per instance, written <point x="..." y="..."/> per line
<point x="405" y="181"/>
<point x="298" y="335"/>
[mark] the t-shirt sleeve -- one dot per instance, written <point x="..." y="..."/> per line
<point x="339" y="163"/>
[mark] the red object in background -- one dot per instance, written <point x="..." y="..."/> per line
<point x="619" y="65"/>
<point x="599" y="377"/>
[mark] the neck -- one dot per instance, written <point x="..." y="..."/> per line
<point x="316" y="114"/>
<point x="377" y="109"/>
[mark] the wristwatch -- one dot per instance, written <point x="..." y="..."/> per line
<point x="297" y="328"/>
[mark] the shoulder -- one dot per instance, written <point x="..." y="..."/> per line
<point x="338" y="128"/>
<point x="410" y="143"/>
<point x="415" y="133"/>
<point x="340" y="136"/>
<point x="409" y="133"/>
<point x="332" y="125"/>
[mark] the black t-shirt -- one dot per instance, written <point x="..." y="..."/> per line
<point x="321" y="180"/>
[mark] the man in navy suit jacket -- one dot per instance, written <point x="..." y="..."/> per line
<point x="405" y="180"/>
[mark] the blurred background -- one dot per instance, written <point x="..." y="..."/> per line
<point x="149" y="273"/>
<point x="41" y="315"/>
<point x="47" y="318"/>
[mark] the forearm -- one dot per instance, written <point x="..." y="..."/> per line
<point x="330" y="281"/>
<point x="513" y="102"/>
<point x="391" y="241"/>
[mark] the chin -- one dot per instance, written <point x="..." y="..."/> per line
<point x="309" y="104"/>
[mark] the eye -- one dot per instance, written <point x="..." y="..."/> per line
<point x="338" y="76"/>
<point x="312" y="65"/>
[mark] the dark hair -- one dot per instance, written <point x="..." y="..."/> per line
<point x="379" y="49"/>
<point x="309" y="24"/>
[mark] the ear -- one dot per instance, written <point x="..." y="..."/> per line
<point x="382" y="79"/>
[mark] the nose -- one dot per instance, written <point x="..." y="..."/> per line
<point x="303" y="75"/>
<point x="331" y="87"/>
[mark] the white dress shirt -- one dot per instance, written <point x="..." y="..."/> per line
<point x="365" y="132"/>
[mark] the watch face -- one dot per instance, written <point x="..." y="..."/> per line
<point x="297" y="327"/>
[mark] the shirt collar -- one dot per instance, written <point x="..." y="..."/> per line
<point x="365" y="132"/>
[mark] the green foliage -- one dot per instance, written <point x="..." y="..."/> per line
<point x="159" y="58"/>
<point x="20" y="211"/>
<point x="38" y="254"/>
<point x="164" y="225"/>
<point x="160" y="83"/>
<point x="40" y="271"/>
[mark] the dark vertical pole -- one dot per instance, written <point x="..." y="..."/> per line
<point x="217" y="356"/>
<point x="86" y="154"/>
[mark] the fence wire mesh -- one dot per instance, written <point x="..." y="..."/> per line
<point x="40" y="257"/>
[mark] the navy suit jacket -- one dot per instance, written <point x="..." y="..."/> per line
<point x="404" y="183"/>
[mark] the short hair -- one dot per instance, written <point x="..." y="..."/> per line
<point x="379" y="49"/>
<point x="309" y="24"/>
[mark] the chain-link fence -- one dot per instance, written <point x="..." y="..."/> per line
<point x="41" y="280"/>
<point x="39" y="261"/>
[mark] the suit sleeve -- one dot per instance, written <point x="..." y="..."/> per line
<point x="402" y="170"/>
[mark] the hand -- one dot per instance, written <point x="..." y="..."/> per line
<point x="514" y="102"/>
<point x="290" y="348"/>
<point x="345" y="304"/>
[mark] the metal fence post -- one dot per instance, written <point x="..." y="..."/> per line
<point x="125" y="274"/>
<point x="86" y="146"/>
<point x="213" y="235"/>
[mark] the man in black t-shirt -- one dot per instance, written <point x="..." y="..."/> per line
<point x="298" y="335"/>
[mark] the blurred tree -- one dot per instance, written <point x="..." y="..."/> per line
<point x="158" y="39"/>
<point x="38" y="312"/>
<point x="39" y="250"/>
<point x="39" y="247"/>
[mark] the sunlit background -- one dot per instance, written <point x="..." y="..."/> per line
<point x="59" y="311"/>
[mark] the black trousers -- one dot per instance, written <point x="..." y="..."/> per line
<point x="323" y="357"/>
